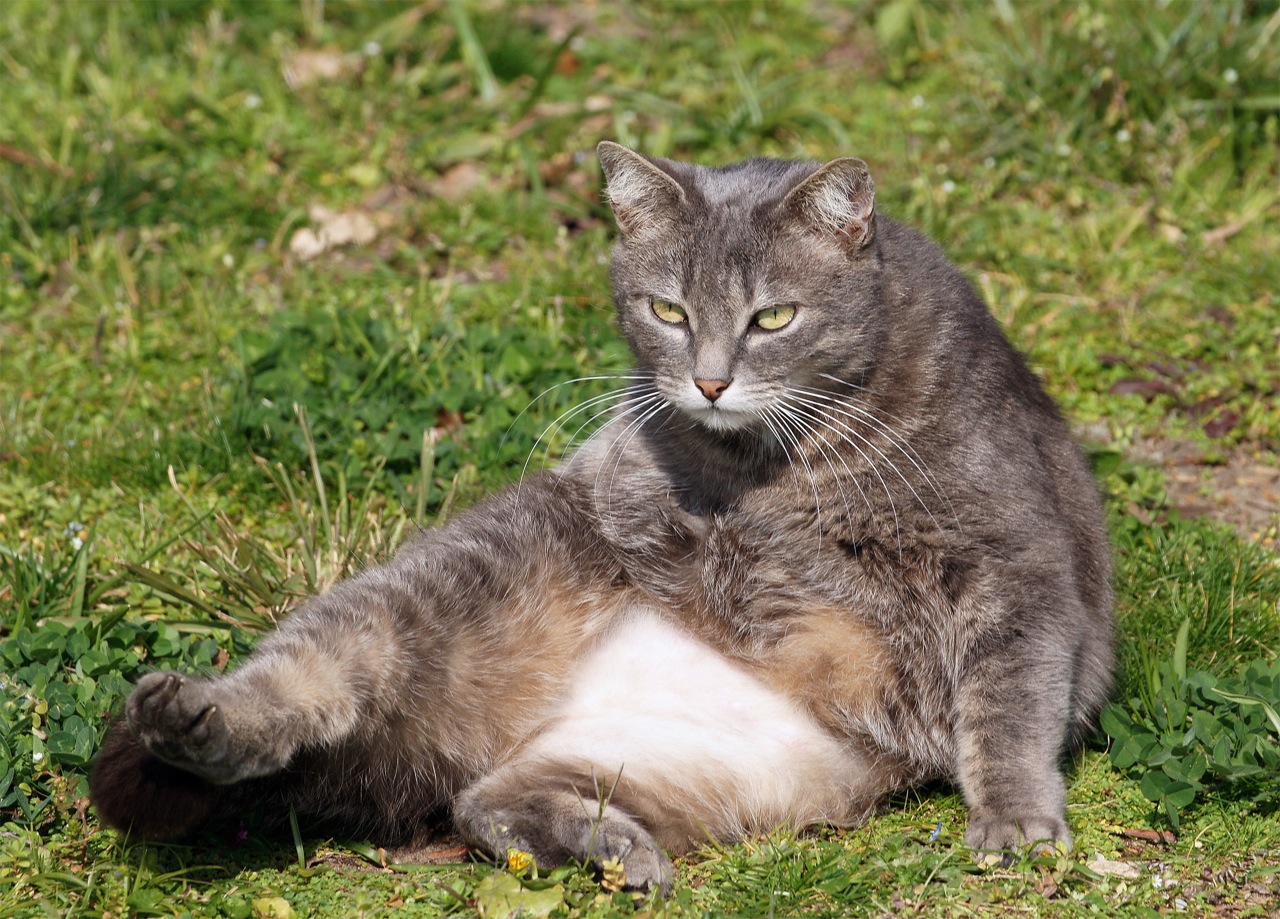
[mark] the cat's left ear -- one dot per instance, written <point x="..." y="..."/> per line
<point x="641" y="194"/>
<point x="838" y="199"/>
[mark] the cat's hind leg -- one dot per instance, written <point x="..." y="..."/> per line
<point x="536" y="813"/>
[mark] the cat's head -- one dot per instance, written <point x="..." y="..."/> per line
<point x="743" y="286"/>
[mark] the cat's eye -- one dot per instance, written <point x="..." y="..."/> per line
<point x="774" y="317"/>
<point x="668" y="311"/>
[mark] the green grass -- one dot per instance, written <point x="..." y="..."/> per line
<point x="1108" y="176"/>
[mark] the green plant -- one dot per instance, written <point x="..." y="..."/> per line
<point x="1191" y="731"/>
<point x="59" y="681"/>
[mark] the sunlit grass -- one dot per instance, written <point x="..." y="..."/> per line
<point x="1106" y="176"/>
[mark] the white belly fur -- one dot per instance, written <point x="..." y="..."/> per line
<point x="731" y="755"/>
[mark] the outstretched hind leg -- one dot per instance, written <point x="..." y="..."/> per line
<point x="537" y="814"/>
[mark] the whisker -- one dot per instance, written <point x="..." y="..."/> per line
<point x="826" y="450"/>
<point x="860" y="413"/>
<point x="561" y="419"/>
<point x="620" y="444"/>
<point x="867" y="411"/>
<point x="785" y="425"/>
<point x="766" y="416"/>
<point x="639" y="404"/>
<point x="888" y="493"/>
<point x="631" y="402"/>
<point x="640" y="377"/>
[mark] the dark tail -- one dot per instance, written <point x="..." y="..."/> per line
<point x="135" y="792"/>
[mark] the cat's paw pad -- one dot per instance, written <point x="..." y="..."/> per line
<point x="997" y="837"/>
<point x="179" y="721"/>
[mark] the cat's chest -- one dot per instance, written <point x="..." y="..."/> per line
<point x="758" y="557"/>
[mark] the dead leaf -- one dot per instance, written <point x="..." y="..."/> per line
<point x="1046" y="884"/>
<point x="1224" y="232"/>
<point x="1222" y="423"/>
<point x="302" y="68"/>
<point x="334" y="229"/>
<point x="457" y="181"/>
<point x="447" y="421"/>
<point x="1221" y="315"/>
<point x="1107" y="868"/>
<point x="1205" y="406"/>
<point x="1148" y="389"/>
<point x="1161" y="837"/>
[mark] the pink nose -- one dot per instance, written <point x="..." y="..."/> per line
<point x="712" y="389"/>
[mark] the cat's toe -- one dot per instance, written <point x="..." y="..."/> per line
<point x="177" y="719"/>
<point x="1005" y="833"/>
<point x="644" y="864"/>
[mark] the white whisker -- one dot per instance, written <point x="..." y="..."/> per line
<point x="786" y="425"/>
<point x="858" y="413"/>
<point x="884" y="486"/>
<point x="642" y="378"/>
<point x="656" y="404"/>
<point x="556" y="424"/>
<point x="826" y="450"/>
<point x="893" y="436"/>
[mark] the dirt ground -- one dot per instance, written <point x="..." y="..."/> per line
<point x="1243" y="490"/>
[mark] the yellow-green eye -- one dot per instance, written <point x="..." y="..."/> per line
<point x="774" y="317"/>
<point x="668" y="311"/>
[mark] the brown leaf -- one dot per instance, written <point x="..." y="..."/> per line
<point x="1148" y="389"/>
<point x="567" y="63"/>
<point x="1221" y="315"/>
<point x="1222" y="423"/>
<point x="1046" y="885"/>
<point x="458" y="180"/>
<point x="447" y="420"/>
<point x="308" y="66"/>
<point x="1140" y="515"/>
<point x="1171" y="371"/>
<point x="1205" y="406"/>
<point x="1159" y="837"/>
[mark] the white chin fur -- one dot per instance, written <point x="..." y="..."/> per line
<point x="715" y="417"/>
<point x="718" y="419"/>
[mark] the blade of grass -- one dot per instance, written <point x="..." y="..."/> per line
<point x="297" y="838"/>
<point x="472" y="51"/>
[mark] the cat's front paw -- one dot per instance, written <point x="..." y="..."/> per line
<point x="178" y="719"/>
<point x="1002" y="834"/>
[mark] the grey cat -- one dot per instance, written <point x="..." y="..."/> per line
<point x="835" y="541"/>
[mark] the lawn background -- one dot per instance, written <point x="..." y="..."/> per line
<point x="177" y="180"/>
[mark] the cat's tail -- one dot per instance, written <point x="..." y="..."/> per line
<point x="136" y="792"/>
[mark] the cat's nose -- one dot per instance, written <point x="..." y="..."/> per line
<point x="712" y="389"/>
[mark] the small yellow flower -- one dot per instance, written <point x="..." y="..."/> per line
<point x="518" y="861"/>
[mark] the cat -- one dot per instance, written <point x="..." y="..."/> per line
<point x="835" y="541"/>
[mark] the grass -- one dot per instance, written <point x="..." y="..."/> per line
<point x="1107" y="175"/>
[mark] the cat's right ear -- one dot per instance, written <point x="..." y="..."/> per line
<point x="642" y="196"/>
<point x="838" y="200"/>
